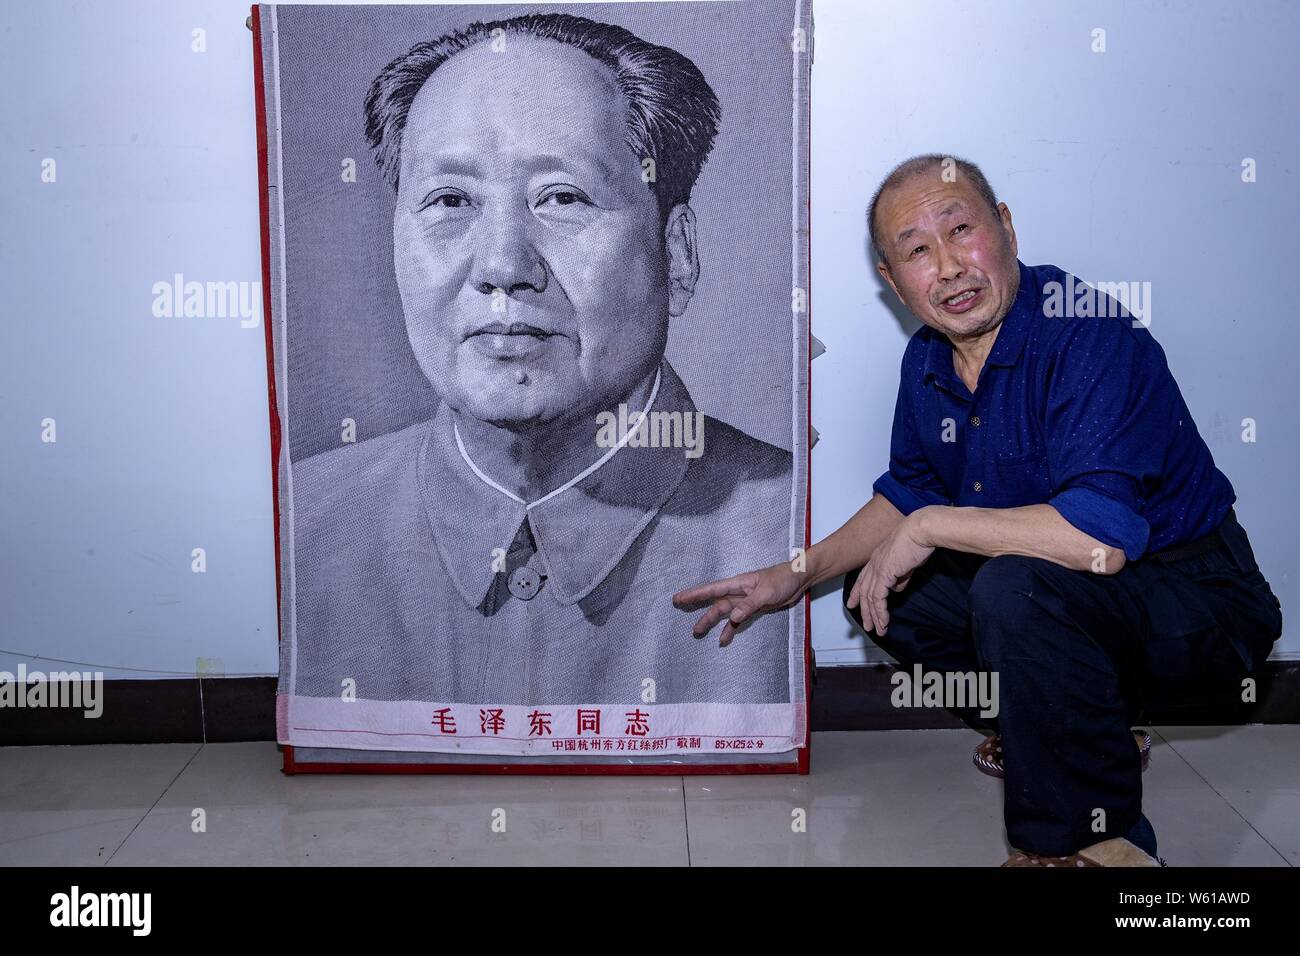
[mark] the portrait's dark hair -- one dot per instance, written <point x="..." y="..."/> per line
<point x="672" y="112"/>
<point x="917" y="166"/>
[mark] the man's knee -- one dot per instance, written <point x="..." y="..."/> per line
<point x="1004" y="598"/>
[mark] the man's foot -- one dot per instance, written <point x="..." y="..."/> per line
<point x="1116" y="852"/>
<point x="988" y="755"/>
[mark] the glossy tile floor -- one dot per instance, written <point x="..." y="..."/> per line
<point x="1218" y="796"/>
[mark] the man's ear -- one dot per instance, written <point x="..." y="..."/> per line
<point x="1004" y="213"/>
<point x="683" y="257"/>
<point x="883" y="268"/>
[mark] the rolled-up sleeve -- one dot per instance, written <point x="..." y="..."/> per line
<point x="911" y="481"/>
<point x="1110" y="520"/>
<point x="1106" y="433"/>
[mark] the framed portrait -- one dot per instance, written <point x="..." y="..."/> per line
<point x="538" y="335"/>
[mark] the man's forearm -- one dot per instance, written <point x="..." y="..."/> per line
<point x="1038" y="531"/>
<point x="852" y="544"/>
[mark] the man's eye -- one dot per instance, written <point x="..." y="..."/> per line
<point x="960" y="228"/>
<point x="918" y="250"/>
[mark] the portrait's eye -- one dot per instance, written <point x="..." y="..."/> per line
<point x="563" y="196"/>
<point x="443" y="199"/>
<point x="962" y="228"/>
<point x="917" y="251"/>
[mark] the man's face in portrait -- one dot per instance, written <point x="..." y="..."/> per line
<point x="516" y="176"/>
<point x="943" y="242"/>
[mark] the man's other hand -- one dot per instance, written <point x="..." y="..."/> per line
<point x="889" y="569"/>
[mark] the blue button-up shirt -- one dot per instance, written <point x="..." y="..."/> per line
<point x="1081" y="413"/>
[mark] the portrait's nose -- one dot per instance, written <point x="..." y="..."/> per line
<point x="504" y="258"/>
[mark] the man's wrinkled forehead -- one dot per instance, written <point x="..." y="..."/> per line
<point x="909" y="206"/>
<point x="535" y="101"/>
<point x="927" y="212"/>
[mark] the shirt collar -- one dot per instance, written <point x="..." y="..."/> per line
<point x="582" y="532"/>
<point x="1007" y="347"/>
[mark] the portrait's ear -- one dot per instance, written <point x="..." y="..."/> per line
<point x="683" y="257"/>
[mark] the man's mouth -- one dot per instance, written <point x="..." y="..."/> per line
<point x="962" y="301"/>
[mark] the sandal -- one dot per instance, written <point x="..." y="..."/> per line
<point x="1021" y="858"/>
<point x="1114" y="852"/>
<point x="988" y="755"/>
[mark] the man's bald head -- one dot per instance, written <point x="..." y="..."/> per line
<point x="932" y="164"/>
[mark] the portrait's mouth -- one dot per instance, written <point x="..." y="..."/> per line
<point x="513" y="328"/>
<point x="963" y="301"/>
<point x="513" y="340"/>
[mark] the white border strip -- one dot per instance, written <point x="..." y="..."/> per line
<point x="798" y="467"/>
<point x="286" y="462"/>
<point x="509" y="728"/>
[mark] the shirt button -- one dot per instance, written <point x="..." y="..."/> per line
<point x="975" y="420"/>
<point x="977" y="486"/>
<point x="525" y="583"/>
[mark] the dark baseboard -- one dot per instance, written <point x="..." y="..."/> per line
<point x="189" y="710"/>
<point x="224" y="710"/>
<point x="857" y="697"/>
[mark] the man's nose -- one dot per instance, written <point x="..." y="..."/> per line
<point x="949" y="266"/>
<point x="505" y="258"/>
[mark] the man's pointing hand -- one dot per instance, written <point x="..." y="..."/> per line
<point x="744" y="596"/>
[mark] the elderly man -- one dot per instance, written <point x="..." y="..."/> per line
<point x="519" y="547"/>
<point x="1050" y="513"/>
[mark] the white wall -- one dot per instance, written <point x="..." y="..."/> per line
<point x="162" y="424"/>
<point x="1122" y="165"/>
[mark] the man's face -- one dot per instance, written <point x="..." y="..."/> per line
<point x="944" y="243"/>
<point x="515" y="176"/>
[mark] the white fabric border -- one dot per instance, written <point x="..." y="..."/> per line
<point x="417" y="726"/>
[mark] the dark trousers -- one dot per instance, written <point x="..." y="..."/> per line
<point x="1080" y="657"/>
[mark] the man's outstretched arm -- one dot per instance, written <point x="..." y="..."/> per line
<point x="755" y="592"/>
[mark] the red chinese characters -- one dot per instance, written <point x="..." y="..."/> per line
<point x="491" y="720"/>
<point x="443" y="720"/>
<point x="539" y="724"/>
<point x="588" y="720"/>
<point x="638" y="723"/>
